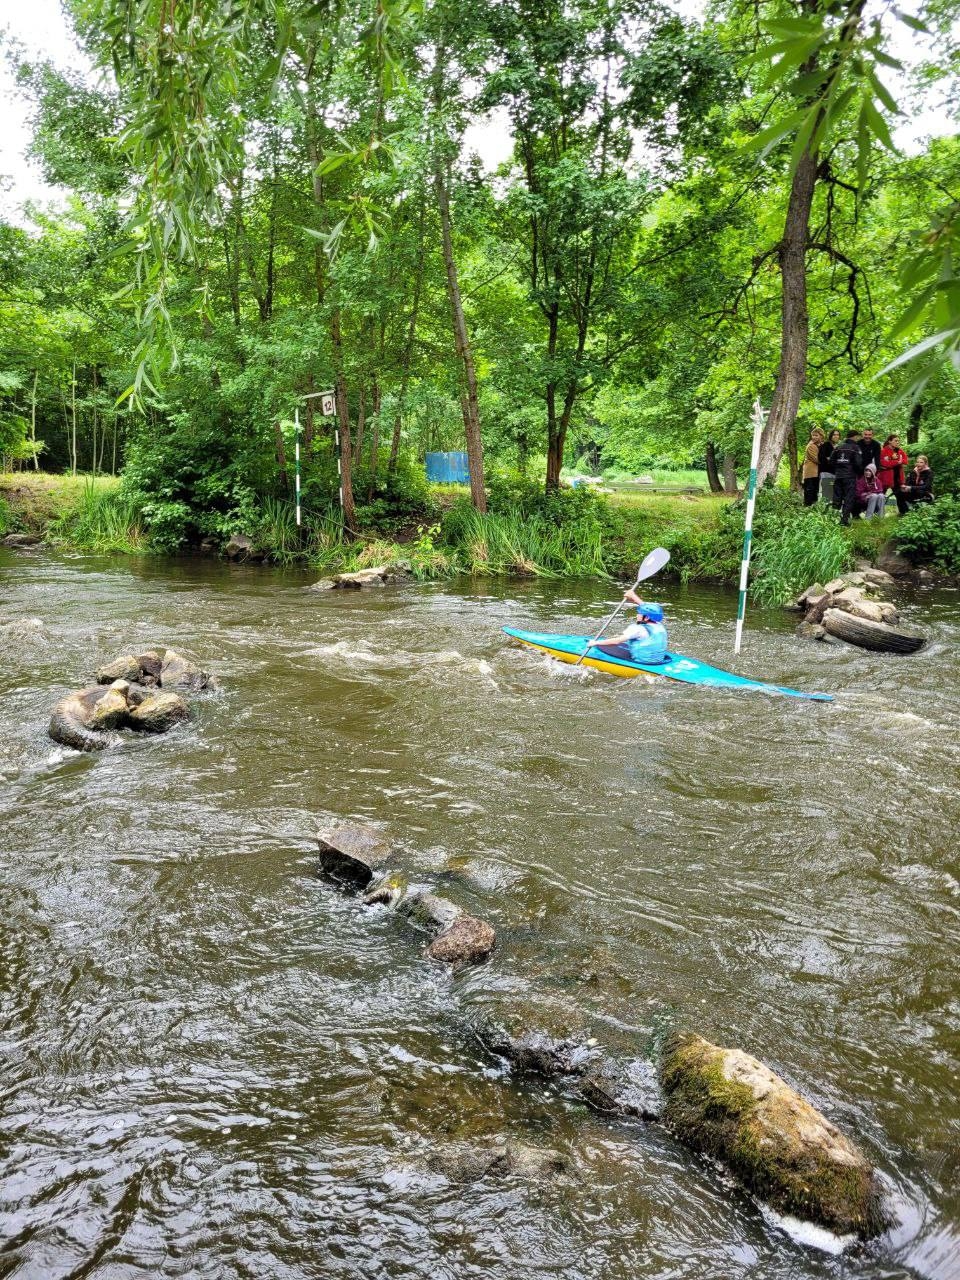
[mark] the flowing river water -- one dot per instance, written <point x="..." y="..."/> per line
<point x="213" y="1064"/>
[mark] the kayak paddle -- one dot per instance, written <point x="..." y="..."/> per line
<point x="652" y="564"/>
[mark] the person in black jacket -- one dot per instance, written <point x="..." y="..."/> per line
<point x="919" y="486"/>
<point x="870" y="448"/>
<point x="826" y="470"/>
<point x="847" y="463"/>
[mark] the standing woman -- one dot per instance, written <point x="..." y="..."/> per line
<point x="892" y="462"/>
<point x="811" y="467"/>
<point x="826" y="469"/>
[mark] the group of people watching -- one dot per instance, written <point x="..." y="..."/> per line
<point x="855" y="474"/>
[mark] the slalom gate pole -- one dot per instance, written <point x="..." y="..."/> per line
<point x="759" y="418"/>
<point x="296" y="452"/>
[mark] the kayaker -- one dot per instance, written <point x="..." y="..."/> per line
<point x="644" y="640"/>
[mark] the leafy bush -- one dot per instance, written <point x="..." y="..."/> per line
<point x="931" y="531"/>
<point x="104" y="519"/>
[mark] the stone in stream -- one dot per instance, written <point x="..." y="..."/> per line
<point x="71" y="722"/>
<point x="178" y="672"/>
<point x="499" y="1158"/>
<point x="627" y="1089"/>
<point x="428" y="910"/>
<point x="727" y="1104"/>
<point x="150" y="663"/>
<point x="17" y="540"/>
<point x="352" y="853"/>
<point x="811" y="631"/>
<point x="376" y="576"/>
<point x="126" y="667"/>
<point x="466" y="941"/>
<point x="158" y="712"/>
<point x="112" y="710"/>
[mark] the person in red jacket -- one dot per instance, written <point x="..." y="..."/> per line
<point x="892" y="462"/>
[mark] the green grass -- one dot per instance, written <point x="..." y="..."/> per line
<point x="103" y="519"/>
<point x="35" y="499"/>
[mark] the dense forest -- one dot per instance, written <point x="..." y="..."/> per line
<point x="273" y="199"/>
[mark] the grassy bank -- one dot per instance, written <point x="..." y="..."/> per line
<point x="574" y="533"/>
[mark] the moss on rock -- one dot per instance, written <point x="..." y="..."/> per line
<point x="728" y="1104"/>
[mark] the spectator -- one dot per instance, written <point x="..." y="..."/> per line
<point x="871" y="500"/>
<point x="826" y="469"/>
<point x="847" y="463"/>
<point x="811" y="467"/>
<point x="892" y="462"/>
<point x="919" y="486"/>
<point x="870" y="448"/>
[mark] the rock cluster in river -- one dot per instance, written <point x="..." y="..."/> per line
<point x="380" y="575"/>
<point x="357" y="857"/>
<point x="718" y="1101"/>
<point x="848" y="609"/>
<point x="139" y="691"/>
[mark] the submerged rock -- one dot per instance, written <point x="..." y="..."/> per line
<point x="158" y="712"/>
<point x="501" y="1157"/>
<point x="376" y="576"/>
<point x="581" y="1068"/>
<point x="466" y="941"/>
<point x="22" y="540"/>
<point x="428" y="910"/>
<point x="352" y="853"/>
<point x="729" y="1105"/>
<point x="811" y="631"/>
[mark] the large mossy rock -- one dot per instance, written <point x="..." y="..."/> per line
<point x="729" y="1105"/>
<point x="158" y="712"/>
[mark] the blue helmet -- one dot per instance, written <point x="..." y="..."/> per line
<point x="650" y="610"/>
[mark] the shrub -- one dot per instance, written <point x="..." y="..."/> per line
<point x="931" y="531"/>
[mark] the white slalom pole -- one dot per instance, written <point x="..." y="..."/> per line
<point x="759" y="418"/>
<point x="296" y="450"/>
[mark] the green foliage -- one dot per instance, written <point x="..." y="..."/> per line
<point x="796" y="549"/>
<point x="103" y="520"/>
<point x="535" y="544"/>
<point x="931" y="531"/>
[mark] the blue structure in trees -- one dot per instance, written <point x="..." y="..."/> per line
<point x="448" y="468"/>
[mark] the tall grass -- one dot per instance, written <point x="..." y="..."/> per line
<point x="102" y="520"/>
<point x="530" y="545"/>
<point x="278" y="531"/>
<point x="811" y="547"/>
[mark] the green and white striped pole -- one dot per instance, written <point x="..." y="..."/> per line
<point x="759" y="418"/>
<point x="296" y="452"/>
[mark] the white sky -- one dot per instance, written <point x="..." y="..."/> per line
<point x="40" y="27"/>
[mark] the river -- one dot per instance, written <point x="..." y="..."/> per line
<point x="216" y="1065"/>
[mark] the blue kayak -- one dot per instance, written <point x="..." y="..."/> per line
<point x="676" y="667"/>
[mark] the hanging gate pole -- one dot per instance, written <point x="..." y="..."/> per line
<point x="296" y="452"/>
<point x="759" y="418"/>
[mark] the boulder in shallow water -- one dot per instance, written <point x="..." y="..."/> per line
<point x="729" y="1105"/>
<point x="373" y="577"/>
<point x="874" y="611"/>
<point x="811" y="631"/>
<point x="178" y="672"/>
<point x="158" y="712"/>
<point x="353" y="853"/>
<point x="151" y="664"/>
<point x="71" y="720"/>
<point x="126" y="667"/>
<point x="111" y="711"/>
<point x="428" y="910"/>
<point x="878" y="580"/>
<point x="466" y="941"/>
<point x="499" y="1158"/>
<point x="16" y="540"/>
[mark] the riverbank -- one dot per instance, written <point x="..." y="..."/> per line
<point x="575" y="533"/>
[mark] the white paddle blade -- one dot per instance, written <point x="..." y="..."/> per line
<point x="653" y="563"/>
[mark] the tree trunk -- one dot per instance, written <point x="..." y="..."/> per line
<point x="792" y="372"/>
<point x="361" y="424"/>
<point x="33" y="420"/>
<point x="408" y="349"/>
<point x="792" y="450"/>
<point x="730" y="474"/>
<point x="913" y="431"/>
<point x="713" y="477"/>
<point x="468" y="397"/>
<point x="343" y="422"/>
<point x="375" y="437"/>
